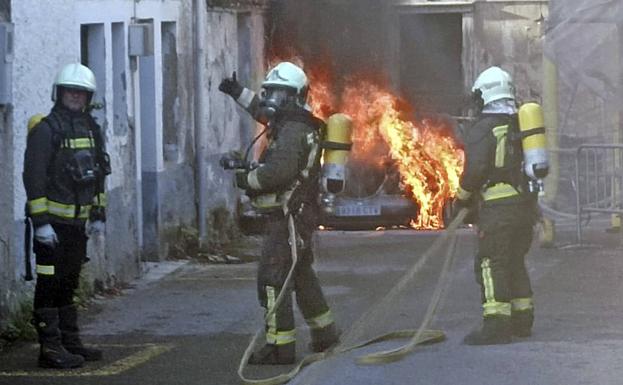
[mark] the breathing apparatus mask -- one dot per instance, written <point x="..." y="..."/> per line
<point x="81" y="167"/>
<point x="273" y="99"/>
<point x="477" y="103"/>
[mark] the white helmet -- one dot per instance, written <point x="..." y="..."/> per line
<point x="494" y="84"/>
<point x="74" y="75"/>
<point x="286" y="74"/>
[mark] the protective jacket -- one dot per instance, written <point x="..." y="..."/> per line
<point x="64" y="169"/>
<point x="290" y="165"/>
<point x="493" y="162"/>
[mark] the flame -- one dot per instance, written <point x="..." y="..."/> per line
<point x="426" y="155"/>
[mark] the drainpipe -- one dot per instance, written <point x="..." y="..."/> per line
<point x="550" y="112"/>
<point x="200" y="140"/>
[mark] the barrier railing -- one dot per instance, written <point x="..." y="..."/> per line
<point x="598" y="181"/>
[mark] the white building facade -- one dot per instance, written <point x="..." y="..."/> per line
<point x="158" y="65"/>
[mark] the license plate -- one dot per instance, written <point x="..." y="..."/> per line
<point x="357" y="211"/>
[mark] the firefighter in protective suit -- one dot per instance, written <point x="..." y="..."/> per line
<point x="64" y="169"/>
<point x="285" y="183"/>
<point x="493" y="181"/>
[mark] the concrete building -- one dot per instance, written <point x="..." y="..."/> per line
<point x="158" y="65"/>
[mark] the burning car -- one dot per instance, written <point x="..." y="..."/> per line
<point x="372" y="198"/>
<point x="402" y="168"/>
<point x="400" y="164"/>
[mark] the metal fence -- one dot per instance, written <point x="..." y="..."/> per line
<point x="598" y="181"/>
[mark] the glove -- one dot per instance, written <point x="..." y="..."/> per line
<point x="232" y="160"/>
<point x="231" y="87"/>
<point x="46" y="235"/>
<point x="95" y="228"/>
<point x="241" y="179"/>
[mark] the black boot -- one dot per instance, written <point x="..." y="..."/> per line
<point x="496" y="329"/>
<point x="52" y="354"/>
<point x="324" y="338"/>
<point x="274" y="355"/>
<point x="70" y="334"/>
<point x="521" y="323"/>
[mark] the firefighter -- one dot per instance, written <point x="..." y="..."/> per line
<point x="285" y="183"/>
<point x="493" y="180"/>
<point x="65" y="164"/>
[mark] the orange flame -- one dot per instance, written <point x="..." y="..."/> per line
<point x="428" y="159"/>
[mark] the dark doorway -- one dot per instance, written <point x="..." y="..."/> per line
<point x="431" y="74"/>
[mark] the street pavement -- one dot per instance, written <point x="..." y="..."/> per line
<point x="189" y="323"/>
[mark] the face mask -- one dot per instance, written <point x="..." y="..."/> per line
<point x="271" y="100"/>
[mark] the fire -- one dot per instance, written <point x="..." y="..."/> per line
<point x="427" y="157"/>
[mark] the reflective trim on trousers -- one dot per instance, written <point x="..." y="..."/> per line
<point x="321" y="321"/>
<point x="522" y="304"/>
<point x="45" y="269"/>
<point x="491" y="306"/>
<point x="496" y="308"/>
<point x="271" y="322"/>
<point x="281" y="337"/>
<point x="274" y="336"/>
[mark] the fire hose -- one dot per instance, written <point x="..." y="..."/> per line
<point x="418" y="336"/>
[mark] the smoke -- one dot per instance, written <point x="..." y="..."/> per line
<point x="345" y="38"/>
<point x="344" y="48"/>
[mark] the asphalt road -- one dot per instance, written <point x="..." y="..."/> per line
<point x="192" y="325"/>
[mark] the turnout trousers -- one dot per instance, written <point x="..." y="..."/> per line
<point x="274" y="264"/>
<point x="58" y="269"/>
<point x="505" y="234"/>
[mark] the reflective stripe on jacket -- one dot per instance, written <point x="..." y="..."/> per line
<point x="52" y="193"/>
<point x="485" y="154"/>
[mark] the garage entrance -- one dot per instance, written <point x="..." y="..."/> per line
<point x="431" y="73"/>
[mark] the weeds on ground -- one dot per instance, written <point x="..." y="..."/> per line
<point x="85" y="291"/>
<point x="19" y="326"/>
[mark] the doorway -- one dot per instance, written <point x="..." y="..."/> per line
<point x="431" y="71"/>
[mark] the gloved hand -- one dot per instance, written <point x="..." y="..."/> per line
<point x="231" y="87"/>
<point x="241" y="179"/>
<point x="96" y="227"/>
<point x="232" y="160"/>
<point x="46" y="235"/>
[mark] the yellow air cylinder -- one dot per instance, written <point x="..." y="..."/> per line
<point x="533" y="141"/>
<point x="34" y="120"/>
<point x="336" y="145"/>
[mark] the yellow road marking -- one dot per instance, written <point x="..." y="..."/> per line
<point x="147" y="352"/>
